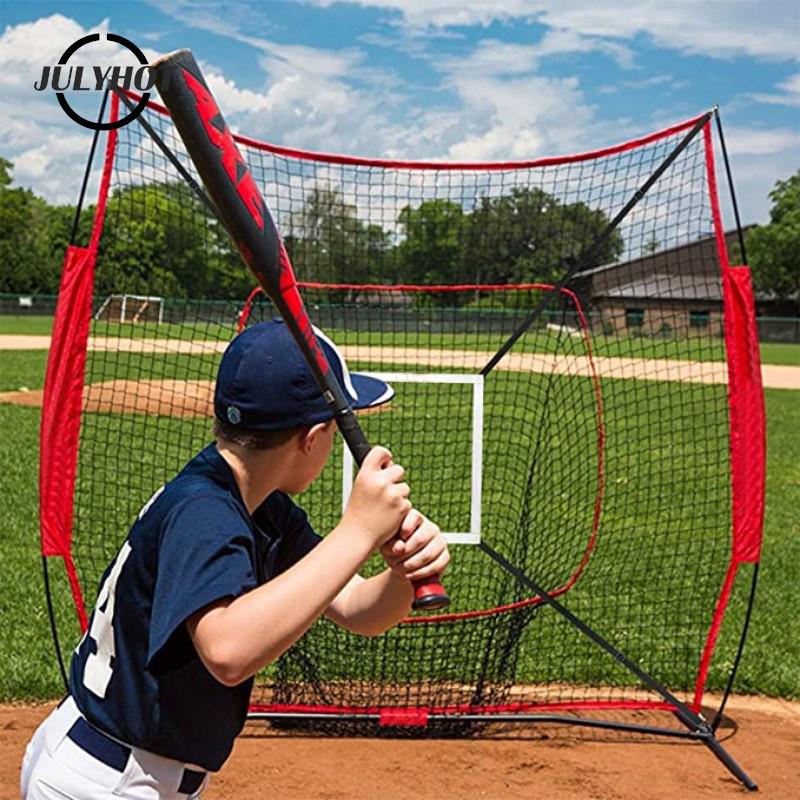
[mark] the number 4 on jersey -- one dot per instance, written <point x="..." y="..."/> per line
<point x="98" y="669"/>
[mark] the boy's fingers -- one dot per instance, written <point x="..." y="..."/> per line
<point x="436" y="567"/>
<point x="411" y="523"/>
<point x="394" y="472"/>
<point x="424" y="533"/>
<point x="431" y="551"/>
<point x="378" y="457"/>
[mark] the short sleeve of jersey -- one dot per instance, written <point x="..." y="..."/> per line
<point x="206" y="553"/>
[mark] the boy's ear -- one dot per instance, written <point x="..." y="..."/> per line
<point x="309" y="435"/>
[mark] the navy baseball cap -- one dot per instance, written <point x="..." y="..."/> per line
<point x="265" y="384"/>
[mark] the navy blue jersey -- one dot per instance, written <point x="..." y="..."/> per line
<point x="136" y="674"/>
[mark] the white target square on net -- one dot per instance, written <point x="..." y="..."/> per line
<point x="473" y="535"/>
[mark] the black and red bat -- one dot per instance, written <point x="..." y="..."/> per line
<point x="230" y="184"/>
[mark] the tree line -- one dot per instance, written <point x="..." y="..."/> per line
<point x="158" y="239"/>
<point x="33" y="238"/>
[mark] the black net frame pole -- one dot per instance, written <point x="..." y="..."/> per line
<point x="729" y="173"/>
<point x="72" y="240"/>
<point x="88" y="171"/>
<point x="173" y="159"/>
<point x="740" y="650"/>
<point x="53" y="628"/>
<point x="559" y="719"/>
<point x="688" y="717"/>
<point x="585" y="257"/>
<point x="754" y="580"/>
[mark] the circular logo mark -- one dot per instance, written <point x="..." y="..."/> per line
<point x="88" y="123"/>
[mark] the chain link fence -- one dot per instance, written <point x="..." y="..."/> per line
<point x="770" y="329"/>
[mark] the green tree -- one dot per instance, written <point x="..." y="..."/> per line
<point x="328" y="242"/>
<point x="159" y="239"/>
<point x="774" y="249"/>
<point x="432" y="249"/>
<point x="33" y="237"/>
<point x="529" y="236"/>
<point x="23" y="263"/>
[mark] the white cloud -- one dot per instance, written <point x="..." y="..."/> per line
<point x="788" y="93"/>
<point x="497" y="105"/>
<point x="744" y="141"/>
<point x="441" y="13"/>
<point x="230" y="97"/>
<point x="48" y="149"/>
<point x="26" y="48"/>
<point x="55" y="166"/>
<point x="644" y="83"/>
<point x="716" y="27"/>
<point x="791" y="85"/>
<point x="493" y="57"/>
<point x="500" y="124"/>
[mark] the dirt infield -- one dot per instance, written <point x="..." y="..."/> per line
<point x="653" y="369"/>
<point x="540" y="762"/>
<point x="165" y="398"/>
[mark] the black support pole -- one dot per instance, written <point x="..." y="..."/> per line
<point x="589" y="253"/>
<point x="88" y="171"/>
<point x="735" y="668"/>
<point x="729" y="173"/>
<point x="692" y="721"/>
<point x="53" y="629"/>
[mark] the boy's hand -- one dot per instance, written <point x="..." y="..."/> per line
<point x="379" y="500"/>
<point x="418" y="551"/>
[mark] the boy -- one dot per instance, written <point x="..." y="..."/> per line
<point x="220" y="574"/>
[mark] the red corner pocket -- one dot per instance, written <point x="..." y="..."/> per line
<point x="61" y="411"/>
<point x="747" y="419"/>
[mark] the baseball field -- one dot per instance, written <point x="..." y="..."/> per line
<point x="762" y="726"/>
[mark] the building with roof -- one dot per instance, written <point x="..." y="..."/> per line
<point x="671" y="292"/>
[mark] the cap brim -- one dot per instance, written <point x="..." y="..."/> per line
<point x="371" y="391"/>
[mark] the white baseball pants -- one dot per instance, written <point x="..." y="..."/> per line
<point x="55" y="767"/>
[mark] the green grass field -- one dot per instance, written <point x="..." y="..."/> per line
<point x="659" y="489"/>
<point x="695" y="349"/>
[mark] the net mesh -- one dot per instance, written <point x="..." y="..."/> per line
<point x="594" y="456"/>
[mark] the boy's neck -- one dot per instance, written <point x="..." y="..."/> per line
<point x="258" y="473"/>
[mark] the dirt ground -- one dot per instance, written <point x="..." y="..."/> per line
<point x="773" y="376"/>
<point x="539" y="763"/>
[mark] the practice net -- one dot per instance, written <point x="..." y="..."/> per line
<point x="596" y="455"/>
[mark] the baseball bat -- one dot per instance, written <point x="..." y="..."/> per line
<point x="233" y="190"/>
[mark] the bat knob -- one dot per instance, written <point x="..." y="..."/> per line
<point x="429" y="595"/>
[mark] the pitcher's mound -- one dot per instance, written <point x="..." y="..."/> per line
<point x="163" y="398"/>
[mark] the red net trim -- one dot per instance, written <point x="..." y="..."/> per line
<point x="407" y="716"/>
<point x="601" y="434"/>
<point x="388" y="163"/>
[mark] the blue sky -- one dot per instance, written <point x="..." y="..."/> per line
<point x="449" y="79"/>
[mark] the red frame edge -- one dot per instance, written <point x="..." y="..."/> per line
<point x="745" y="390"/>
<point x="62" y="403"/>
<point x="746" y="415"/>
<point x="390" y="163"/>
